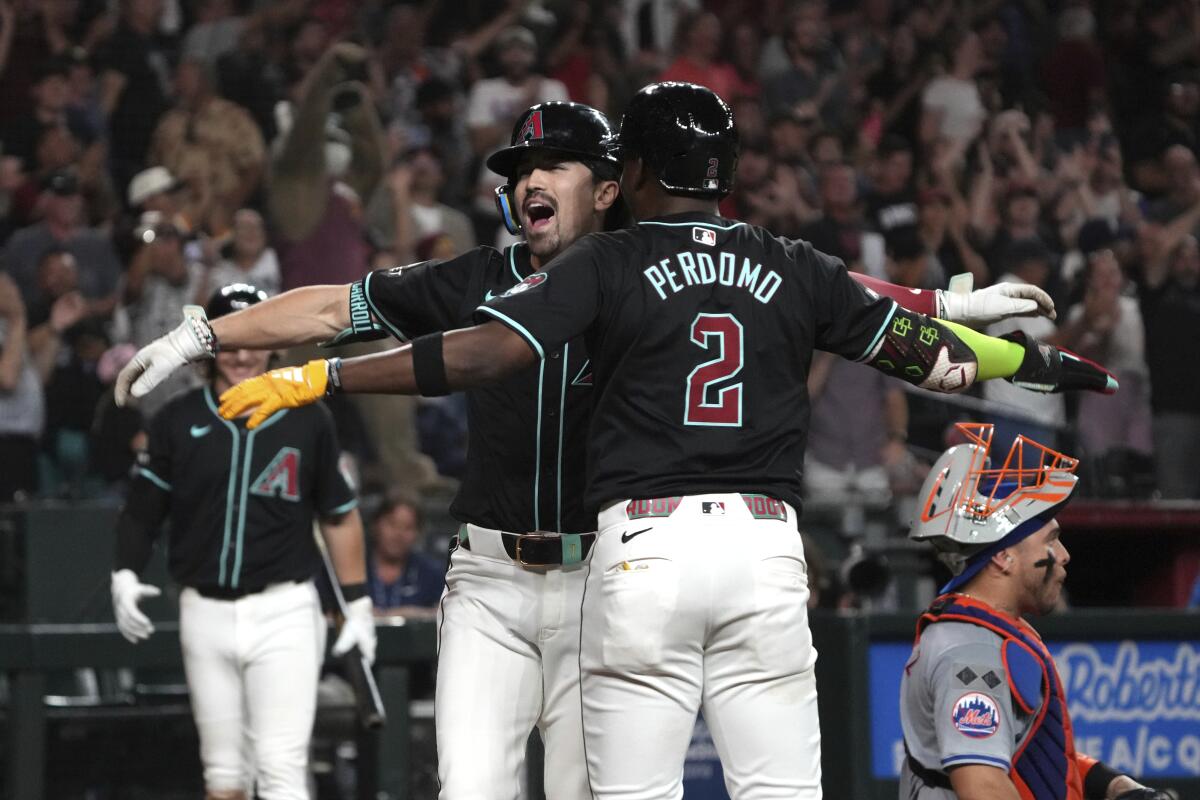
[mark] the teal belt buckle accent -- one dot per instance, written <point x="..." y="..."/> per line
<point x="572" y="549"/>
<point x="462" y="533"/>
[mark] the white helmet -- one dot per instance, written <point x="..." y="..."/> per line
<point x="965" y="505"/>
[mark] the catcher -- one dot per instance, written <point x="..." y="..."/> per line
<point x="981" y="704"/>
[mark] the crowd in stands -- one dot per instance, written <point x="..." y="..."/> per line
<point x="154" y="150"/>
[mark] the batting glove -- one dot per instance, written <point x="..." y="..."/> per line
<point x="193" y="340"/>
<point x="1050" y="369"/>
<point x="358" y="628"/>
<point x="983" y="307"/>
<point x="288" y="387"/>
<point x="127" y="592"/>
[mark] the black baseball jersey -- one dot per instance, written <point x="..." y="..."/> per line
<point x="701" y="332"/>
<point x="527" y="434"/>
<point x="242" y="502"/>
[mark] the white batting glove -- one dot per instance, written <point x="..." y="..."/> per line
<point x="357" y="629"/>
<point x="192" y="341"/>
<point x="986" y="306"/>
<point x="127" y="592"/>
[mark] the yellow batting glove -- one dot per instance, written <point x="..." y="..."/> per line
<point x="288" y="387"/>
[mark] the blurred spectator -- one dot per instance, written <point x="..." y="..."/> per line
<point x="401" y="579"/>
<point x="62" y="227"/>
<point x="745" y="44"/>
<point x="22" y="411"/>
<point x="697" y="50"/>
<point x="1170" y="297"/>
<point x="1182" y="186"/>
<point x="907" y="260"/>
<point x="1020" y="218"/>
<point x="941" y="220"/>
<point x="210" y="144"/>
<point x="248" y="258"/>
<point x="406" y="62"/>
<point x="495" y="102"/>
<point x="73" y="391"/>
<point x="159" y="283"/>
<point x="951" y="106"/>
<point x="1073" y="72"/>
<point x="891" y="201"/>
<point x="134" y="85"/>
<point x="117" y="435"/>
<point x="60" y="306"/>
<point x="444" y="131"/>
<point x="51" y="97"/>
<point x="895" y="88"/>
<point x="1175" y="126"/>
<point x="156" y="189"/>
<point x="814" y="67"/>
<point x="31" y="34"/>
<point x="1107" y="327"/>
<point x="1037" y="416"/>
<point x="215" y="32"/>
<point x="407" y="210"/>
<point x="839" y="231"/>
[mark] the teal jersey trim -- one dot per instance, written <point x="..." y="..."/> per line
<point x="694" y="225"/>
<point x="157" y="481"/>
<point x="233" y="462"/>
<point x="882" y="329"/>
<point x="516" y="326"/>
<point x="562" y="407"/>
<point x="512" y="262"/>
<point x="241" y="528"/>
<point x="537" y="453"/>
<point x="399" y="334"/>
<point x="343" y="508"/>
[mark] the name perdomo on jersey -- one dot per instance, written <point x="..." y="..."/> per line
<point x="699" y="269"/>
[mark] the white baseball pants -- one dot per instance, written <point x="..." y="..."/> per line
<point x="252" y="666"/>
<point x="508" y="660"/>
<point x="701" y="609"/>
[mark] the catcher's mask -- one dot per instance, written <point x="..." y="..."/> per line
<point x="969" y="511"/>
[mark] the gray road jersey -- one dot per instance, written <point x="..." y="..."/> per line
<point x="955" y="705"/>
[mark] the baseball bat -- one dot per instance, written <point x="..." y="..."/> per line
<point x="367" y="702"/>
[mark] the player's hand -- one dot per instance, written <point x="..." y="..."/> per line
<point x="127" y="592"/>
<point x="357" y="629"/>
<point x="985" y="306"/>
<point x="1051" y="369"/>
<point x="192" y="341"/>
<point x="287" y="387"/>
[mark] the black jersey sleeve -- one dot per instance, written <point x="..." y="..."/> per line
<point x="154" y="465"/>
<point x="333" y="495"/>
<point x="850" y="318"/>
<point x="557" y="304"/>
<point x="415" y="300"/>
<point x="149" y="498"/>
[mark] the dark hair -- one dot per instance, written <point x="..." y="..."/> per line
<point x="399" y="499"/>
<point x="602" y="170"/>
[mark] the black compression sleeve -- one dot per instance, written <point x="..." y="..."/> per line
<point x="1095" y="784"/>
<point x="138" y="526"/>
<point x="429" y="368"/>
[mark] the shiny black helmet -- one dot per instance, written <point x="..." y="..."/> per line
<point x="233" y="297"/>
<point x="685" y="134"/>
<point x="571" y="129"/>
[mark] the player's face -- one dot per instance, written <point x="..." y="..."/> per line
<point x="558" y="201"/>
<point x="1041" y="566"/>
<point x="396" y="533"/>
<point x="235" y="366"/>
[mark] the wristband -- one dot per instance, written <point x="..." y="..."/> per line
<point x="353" y="591"/>
<point x="1095" y="784"/>
<point x="333" y="373"/>
<point x="197" y="320"/>
<point x="429" y="369"/>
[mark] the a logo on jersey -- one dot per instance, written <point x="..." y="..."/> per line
<point x="658" y="507"/>
<point x="281" y="478"/>
<point x="976" y="715"/>
<point x="533" y="280"/>
<point x="584" y="376"/>
<point x="488" y="296"/>
<point x="199" y="430"/>
<point x="712" y="507"/>
<point x="710" y="177"/>
<point x="532" y="129"/>
<point x="704" y="236"/>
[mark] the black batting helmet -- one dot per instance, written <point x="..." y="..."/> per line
<point x="231" y="298"/>
<point x="571" y="129"/>
<point x="685" y="134"/>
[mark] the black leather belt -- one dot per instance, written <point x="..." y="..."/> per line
<point x="539" y="550"/>
<point x="230" y="593"/>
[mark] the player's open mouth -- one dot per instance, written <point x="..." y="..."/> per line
<point x="539" y="215"/>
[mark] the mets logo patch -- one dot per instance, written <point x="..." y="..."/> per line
<point x="536" y="279"/>
<point x="976" y="715"/>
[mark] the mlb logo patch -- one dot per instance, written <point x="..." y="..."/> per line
<point x="976" y="716"/>
<point x="712" y="507"/>
<point x="704" y="236"/>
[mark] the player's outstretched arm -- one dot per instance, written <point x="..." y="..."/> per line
<point x="959" y="303"/>
<point x="948" y="357"/>
<point x="432" y="365"/>
<point x="301" y="316"/>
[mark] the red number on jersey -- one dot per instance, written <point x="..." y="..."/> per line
<point x="706" y="405"/>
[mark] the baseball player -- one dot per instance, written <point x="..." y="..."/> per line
<point x="524" y="482"/>
<point x="240" y="505"/>
<point x="699" y="331"/>
<point x="981" y="704"/>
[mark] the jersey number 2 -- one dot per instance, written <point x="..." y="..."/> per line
<point x="704" y="404"/>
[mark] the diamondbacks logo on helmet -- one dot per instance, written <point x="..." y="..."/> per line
<point x="976" y="716"/>
<point x="532" y="129"/>
<point x="281" y="478"/>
